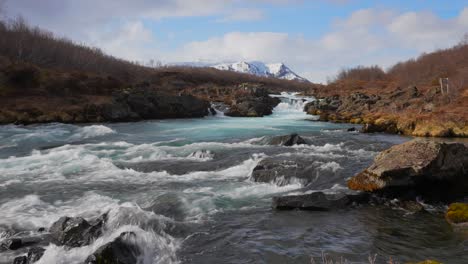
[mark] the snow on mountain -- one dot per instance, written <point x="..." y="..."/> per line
<point x="276" y="70"/>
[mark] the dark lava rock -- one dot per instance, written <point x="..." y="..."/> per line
<point x="430" y="169"/>
<point x="76" y="231"/>
<point x="318" y="201"/>
<point x="119" y="251"/>
<point x="256" y="103"/>
<point x="145" y="103"/>
<point x="286" y="140"/>
<point x="281" y="172"/>
<point x="34" y="254"/>
<point x="12" y="243"/>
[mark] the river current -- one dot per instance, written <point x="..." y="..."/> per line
<point x="184" y="187"/>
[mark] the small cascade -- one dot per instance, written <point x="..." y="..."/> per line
<point x="291" y="104"/>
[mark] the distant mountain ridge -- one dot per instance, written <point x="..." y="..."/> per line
<point x="275" y="70"/>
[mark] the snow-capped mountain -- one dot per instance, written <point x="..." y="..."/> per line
<point x="276" y="70"/>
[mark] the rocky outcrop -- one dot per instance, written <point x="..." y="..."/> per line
<point x="256" y="103"/>
<point x="318" y="201"/>
<point x="137" y="104"/>
<point x="317" y="107"/>
<point x="434" y="170"/>
<point x="119" y="251"/>
<point x="124" y="105"/>
<point x="76" y="231"/>
<point x="285" y="140"/>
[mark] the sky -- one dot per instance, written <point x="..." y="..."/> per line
<point x="315" y="38"/>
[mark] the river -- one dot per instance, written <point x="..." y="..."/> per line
<point x="184" y="187"/>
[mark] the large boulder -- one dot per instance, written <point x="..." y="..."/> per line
<point x="76" y="231"/>
<point x="250" y="108"/>
<point x="432" y="169"/>
<point x="120" y="251"/>
<point x="318" y="201"/>
<point x="254" y="105"/>
<point x="285" y="140"/>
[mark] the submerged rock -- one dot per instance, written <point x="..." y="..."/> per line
<point x="434" y="170"/>
<point x="286" y="140"/>
<point x="119" y="251"/>
<point x="318" y="201"/>
<point x="281" y="172"/>
<point x="34" y="254"/>
<point x="76" y="231"/>
<point x="19" y="242"/>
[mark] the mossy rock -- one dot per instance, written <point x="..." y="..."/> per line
<point x="457" y="213"/>
<point x="426" y="262"/>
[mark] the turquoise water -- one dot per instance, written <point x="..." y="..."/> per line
<point x="184" y="187"/>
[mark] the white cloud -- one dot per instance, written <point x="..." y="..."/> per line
<point x="131" y="41"/>
<point x="366" y="37"/>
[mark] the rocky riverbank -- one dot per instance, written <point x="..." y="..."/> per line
<point x="401" y="111"/>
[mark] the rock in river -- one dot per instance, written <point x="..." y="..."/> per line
<point x="76" y="231"/>
<point x="286" y="140"/>
<point x="34" y="254"/>
<point x="119" y="251"/>
<point x="318" y="201"/>
<point x="431" y="169"/>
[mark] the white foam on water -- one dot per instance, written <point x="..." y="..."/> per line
<point x="31" y="212"/>
<point x="91" y="131"/>
<point x="332" y="166"/>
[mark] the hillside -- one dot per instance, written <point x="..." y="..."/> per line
<point x="48" y="79"/>
<point x="406" y="99"/>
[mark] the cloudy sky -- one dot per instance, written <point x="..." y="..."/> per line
<point x="315" y="38"/>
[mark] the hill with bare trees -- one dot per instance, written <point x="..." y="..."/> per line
<point x="44" y="78"/>
<point x="426" y="96"/>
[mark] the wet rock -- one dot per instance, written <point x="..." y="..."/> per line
<point x="119" y="251"/>
<point x="318" y="201"/>
<point x="281" y="172"/>
<point x="433" y="170"/>
<point x="12" y="243"/>
<point x="351" y="129"/>
<point x="34" y="254"/>
<point x="169" y="205"/>
<point x="411" y="206"/>
<point x="286" y="140"/>
<point x="76" y="231"/>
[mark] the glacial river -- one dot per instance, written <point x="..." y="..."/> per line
<point x="184" y="188"/>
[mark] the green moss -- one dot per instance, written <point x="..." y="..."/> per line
<point x="426" y="262"/>
<point x="457" y="213"/>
